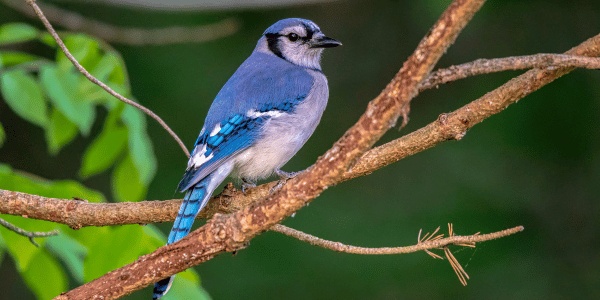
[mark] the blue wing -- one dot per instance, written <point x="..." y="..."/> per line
<point x="263" y="86"/>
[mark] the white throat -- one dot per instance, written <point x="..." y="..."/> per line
<point x="298" y="54"/>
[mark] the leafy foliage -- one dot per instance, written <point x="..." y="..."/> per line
<point x="85" y="254"/>
<point x="24" y="96"/>
<point x="51" y="94"/>
<point x="59" y="131"/>
<point x="17" y="32"/>
<point x="54" y="96"/>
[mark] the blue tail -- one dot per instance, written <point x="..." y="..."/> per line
<point x="195" y="199"/>
<point x="193" y="202"/>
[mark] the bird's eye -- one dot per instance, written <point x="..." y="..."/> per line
<point x="293" y="37"/>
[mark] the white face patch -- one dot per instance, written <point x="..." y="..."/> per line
<point x="253" y="113"/>
<point x="299" y="30"/>
<point x="300" y="52"/>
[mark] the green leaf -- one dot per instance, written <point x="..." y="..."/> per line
<point x="60" y="131"/>
<point x="127" y="243"/>
<point x="85" y="49"/>
<point x="12" y="58"/>
<point x="108" y="64"/>
<point x="156" y="238"/>
<point x="2" y="249"/>
<point x="47" y="39"/>
<point x="2" y="135"/>
<point x="119" y="75"/>
<point x="109" y="70"/>
<point x="140" y="146"/>
<point x="33" y="262"/>
<point x="2" y="243"/>
<point x="17" y="33"/>
<point x="71" y="252"/>
<point x="134" y="119"/>
<point x="104" y="150"/>
<point x="142" y="152"/>
<point x="63" y="89"/>
<point x="116" y="247"/>
<point x="15" y="181"/>
<point x="126" y="183"/>
<point x="24" y="96"/>
<point x="72" y="189"/>
<point x="19" y="247"/>
<point x="44" y="276"/>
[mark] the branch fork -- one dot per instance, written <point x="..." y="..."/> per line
<point x="350" y="157"/>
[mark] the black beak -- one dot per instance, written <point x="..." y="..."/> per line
<point x="325" y="42"/>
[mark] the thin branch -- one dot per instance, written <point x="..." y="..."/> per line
<point x="430" y="237"/>
<point x="427" y="244"/>
<point x="226" y="233"/>
<point x="454" y="125"/>
<point x="113" y="211"/>
<point x="28" y="234"/>
<point x="127" y="35"/>
<point x="101" y="84"/>
<point x="486" y="66"/>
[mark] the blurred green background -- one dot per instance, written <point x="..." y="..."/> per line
<point x="537" y="164"/>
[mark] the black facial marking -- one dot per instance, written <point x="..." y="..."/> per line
<point x="273" y="39"/>
<point x="273" y="43"/>
<point x="309" y="32"/>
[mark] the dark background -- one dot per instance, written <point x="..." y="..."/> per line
<point x="537" y="164"/>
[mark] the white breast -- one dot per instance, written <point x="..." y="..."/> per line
<point x="284" y="134"/>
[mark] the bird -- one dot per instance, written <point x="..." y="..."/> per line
<point x="258" y="121"/>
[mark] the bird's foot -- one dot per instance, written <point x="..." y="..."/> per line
<point x="247" y="184"/>
<point x="283" y="178"/>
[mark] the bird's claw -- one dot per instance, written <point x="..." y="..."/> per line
<point x="247" y="184"/>
<point x="283" y="178"/>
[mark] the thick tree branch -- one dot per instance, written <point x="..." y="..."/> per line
<point x="430" y="135"/>
<point x="89" y="214"/>
<point x="457" y="16"/>
<point x="233" y="232"/>
<point x="77" y="214"/>
<point x="454" y="125"/>
<point x="228" y="233"/>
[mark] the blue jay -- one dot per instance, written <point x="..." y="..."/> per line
<point x="261" y="117"/>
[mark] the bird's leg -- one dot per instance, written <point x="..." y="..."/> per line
<point x="283" y="178"/>
<point x="247" y="184"/>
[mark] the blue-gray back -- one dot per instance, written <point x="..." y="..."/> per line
<point x="263" y="83"/>
<point x="261" y="80"/>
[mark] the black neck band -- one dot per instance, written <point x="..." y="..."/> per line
<point x="273" y="43"/>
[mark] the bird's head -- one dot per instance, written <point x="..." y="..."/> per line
<point x="298" y="41"/>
